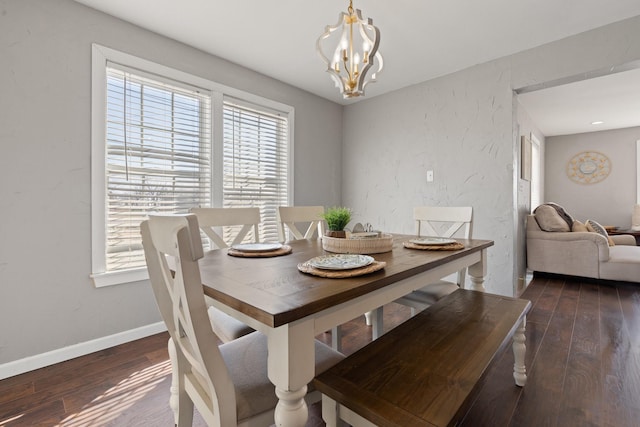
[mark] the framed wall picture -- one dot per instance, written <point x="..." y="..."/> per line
<point x="525" y="158"/>
<point x="588" y="167"/>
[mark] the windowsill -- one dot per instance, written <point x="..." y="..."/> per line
<point x="119" y="277"/>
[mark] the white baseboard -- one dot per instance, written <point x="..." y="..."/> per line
<point x="60" y="355"/>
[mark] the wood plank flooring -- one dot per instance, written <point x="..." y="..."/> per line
<point x="583" y="361"/>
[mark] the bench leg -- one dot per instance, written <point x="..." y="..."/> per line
<point x="519" y="351"/>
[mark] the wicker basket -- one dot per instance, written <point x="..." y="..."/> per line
<point x="369" y="245"/>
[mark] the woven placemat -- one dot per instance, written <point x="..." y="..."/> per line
<point x="305" y="267"/>
<point x="284" y="250"/>
<point x="448" y="247"/>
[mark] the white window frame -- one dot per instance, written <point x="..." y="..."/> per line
<point x="100" y="56"/>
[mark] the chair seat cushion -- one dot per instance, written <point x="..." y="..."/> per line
<point x="432" y="293"/>
<point x="623" y="264"/>
<point x="227" y="328"/>
<point x="246" y="360"/>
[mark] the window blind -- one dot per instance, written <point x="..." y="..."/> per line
<point x="158" y="157"/>
<point x="255" y="147"/>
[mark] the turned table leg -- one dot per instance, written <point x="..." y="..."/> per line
<point x="477" y="272"/>
<point x="291" y="367"/>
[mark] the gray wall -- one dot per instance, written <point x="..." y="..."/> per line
<point x="47" y="299"/>
<point x="459" y="126"/>
<point x="464" y="127"/>
<point x="609" y="202"/>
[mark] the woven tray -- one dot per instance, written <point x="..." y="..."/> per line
<point x="449" y="247"/>
<point x="305" y="267"/>
<point x="284" y="250"/>
<point x="369" y="245"/>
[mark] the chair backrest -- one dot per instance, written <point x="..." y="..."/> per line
<point x="288" y="216"/>
<point x="211" y="219"/>
<point x="203" y="374"/>
<point x="445" y="221"/>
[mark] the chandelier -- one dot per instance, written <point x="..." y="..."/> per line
<point x="355" y="52"/>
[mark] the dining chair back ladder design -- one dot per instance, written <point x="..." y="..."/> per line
<point x="435" y="221"/>
<point x="227" y="327"/>
<point x="227" y="384"/>
<point x="290" y="218"/>
<point x="212" y="218"/>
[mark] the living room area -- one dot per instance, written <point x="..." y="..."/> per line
<point x="584" y="138"/>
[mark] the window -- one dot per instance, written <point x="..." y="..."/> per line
<point x="157" y="159"/>
<point x="255" y="163"/>
<point x="164" y="141"/>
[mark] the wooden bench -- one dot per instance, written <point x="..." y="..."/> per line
<point x="428" y="370"/>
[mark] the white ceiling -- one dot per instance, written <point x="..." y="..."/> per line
<point x="420" y="39"/>
<point x="613" y="99"/>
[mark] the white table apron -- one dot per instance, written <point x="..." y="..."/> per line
<point x="291" y="361"/>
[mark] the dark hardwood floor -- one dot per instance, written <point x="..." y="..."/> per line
<point x="583" y="361"/>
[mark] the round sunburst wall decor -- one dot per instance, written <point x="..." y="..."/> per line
<point x="588" y="167"/>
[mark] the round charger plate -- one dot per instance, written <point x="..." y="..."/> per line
<point x="342" y="274"/>
<point x="432" y="241"/>
<point x="257" y="247"/>
<point x="284" y="250"/>
<point x="340" y="261"/>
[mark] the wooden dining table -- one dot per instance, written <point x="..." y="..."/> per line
<point x="291" y="307"/>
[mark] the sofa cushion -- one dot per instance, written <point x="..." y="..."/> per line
<point x="578" y="226"/>
<point x="552" y="217"/>
<point x="623" y="264"/>
<point x="595" y="227"/>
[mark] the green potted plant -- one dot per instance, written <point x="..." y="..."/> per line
<point x="337" y="219"/>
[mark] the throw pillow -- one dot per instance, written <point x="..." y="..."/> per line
<point x="563" y="213"/>
<point x="595" y="227"/>
<point x="549" y="219"/>
<point x="578" y="226"/>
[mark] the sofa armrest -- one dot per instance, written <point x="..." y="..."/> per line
<point x="570" y="253"/>
<point x="624" y="239"/>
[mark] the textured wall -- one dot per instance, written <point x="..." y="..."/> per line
<point x="459" y="126"/>
<point x="465" y="127"/>
<point x="609" y="202"/>
<point x="48" y="301"/>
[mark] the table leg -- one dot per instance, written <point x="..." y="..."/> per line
<point x="519" y="352"/>
<point x="478" y="271"/>
<point x="291" y="367"/>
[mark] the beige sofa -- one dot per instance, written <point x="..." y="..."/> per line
<point x="584" y="254"/>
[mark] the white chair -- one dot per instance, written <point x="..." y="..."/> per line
<point x="227" y="384"/>
<point x="435" y="221"/>
<point x="212" y="218"/>
<point x="226" y="327"/>
<point x="290" y="217"/>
